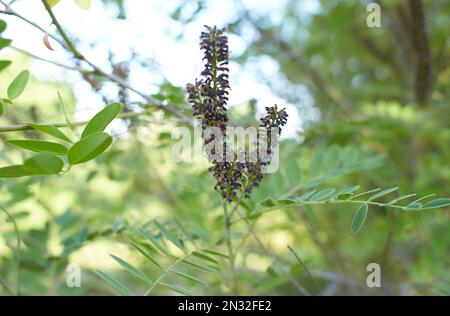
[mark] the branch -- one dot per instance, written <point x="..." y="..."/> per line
<point x="27" y="127"/>
<point x="424" y="61"/>
<point x="67" y="44"/>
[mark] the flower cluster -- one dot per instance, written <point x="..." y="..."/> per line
<point x="208" y="97"/>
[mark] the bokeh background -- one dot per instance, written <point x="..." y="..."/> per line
<point x="367" y="106"/>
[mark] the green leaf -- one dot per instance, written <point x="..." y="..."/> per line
<point x="384" y="192"/>
<point x="400" y="198"/>
<point x="322" y="195"/>
<point x="89" y="148"/>
<point x="345" y="193"/>
<point x="132" y="269"/>
<point x="102" y="119"/>
<point x="169" y="235"/>
<point x="116" y="284"/>
<point x="286" y="202"/>
<point x="188" y="277"/>
<point x="215" y="253"/>
<point x="413" y="207"/>
<point x="199" y="266"/>
<point x="4" y="42"/>
<point x="44" y="164"/>
<point x="359" y="218"/>
<point x="145" y="253"/>
<point x="2" y="26"/>
<point x="268" y="202"/>
<point x="158" y="245"/>
<point x="183" y="230"/>
<point x="18" y="85"/>
<point x="40" y="146"/>
<point x="50" y="130"/>
<point x="176" y="289"/>
<point x="437" y="203"/>
<point x="204" y="257"/>
<point x="4" y="64"/>
<point x="14" y="172"/>
<point x="305" y="196"/>
<point x="66" y="117"/>
<point x="2" y="107"/>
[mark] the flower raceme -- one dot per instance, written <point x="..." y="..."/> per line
<point x="238" y="170"/>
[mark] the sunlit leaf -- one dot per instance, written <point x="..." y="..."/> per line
<point x="322" y="195"/>
<point x="51" y="130"/>
<point x="153" y="241"/>
<point x="132" y="269"/>
<point x="188" y="277"/>
<point x="204" y="257"/>
<point x="45" y="164"/>
<point x="169" y="235"/>
<point x="40" y="146"/>
<point x="102" y="119"/>
<point x="199" y="266"/>
<point x="89" y="148"/>
<point x="14" y="172"/>
<point x="4" y="64"/>
<point x="2" y="26"/>
<point x="176" y="289"/>
<point x="18" y="85"/>
<point x="145" y="253"/>
<point x="4" y="42"/>
<point x="116" y="284"/>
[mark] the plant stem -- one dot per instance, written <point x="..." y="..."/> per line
<point x="270" y="209"/>
<point x="17" y="255"/>
<point x="231" y="254"/>
<point x="26" y="127"/>
<point x="68" y="44"/>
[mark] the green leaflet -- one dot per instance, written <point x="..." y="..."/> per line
<point x="359" y="218"/>
<point x="44" y="164"/>
<point x="102" y="119"/>
<point x="40" y="146"/>
<point x="89" y="148"/>
<point x="18" y="85"/>
<point x="116" y="284"/>
<point x="51" y="130"/>
<point x="132" y="269"/>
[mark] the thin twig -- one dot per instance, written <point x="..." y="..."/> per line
<point x="305" y="267"/>
<point x="27" y="127"/>
<point x="77" y="69"/>
<point x="270" y="209"/>
<point x="290" y="278"/>
<point x="66" y="43"/>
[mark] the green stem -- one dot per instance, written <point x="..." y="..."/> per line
<point x="267" y="210"/>
<point x="66" y="39"/>
<point x="17" y="255"/>
<point x="26" y="127"/>
<point x="231" y="254"/>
